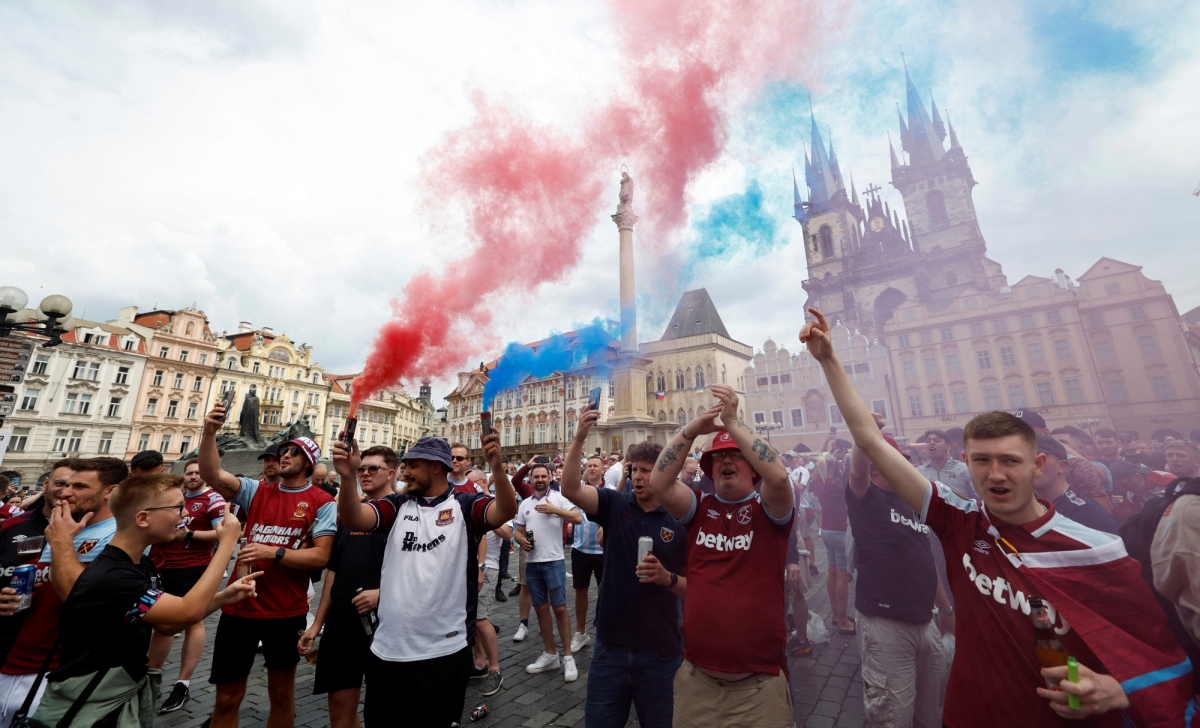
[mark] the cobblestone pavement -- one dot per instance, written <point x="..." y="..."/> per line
<point x="826" y="685"/>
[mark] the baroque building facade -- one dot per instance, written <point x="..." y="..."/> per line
<point x="392" y="417"/>
<point x="169" y="409"/>
<point x="76" y="399"/>
<point x="290" y="386"/>
<point x="1108" y="351"/>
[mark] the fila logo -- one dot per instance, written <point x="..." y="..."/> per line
<point x="1000" y="590"/>
<point x="721" y="542"/>
<point x="411" y="517"/>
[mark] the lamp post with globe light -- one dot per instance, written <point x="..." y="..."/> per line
<point x="51" y="319"/>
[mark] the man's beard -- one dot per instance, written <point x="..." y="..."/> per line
<point x="295" y="469"/>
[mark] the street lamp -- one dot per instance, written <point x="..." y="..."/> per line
<point x="768" y="429"/>
<point x="1088" y="424"/>
<point x="52" y="318"/>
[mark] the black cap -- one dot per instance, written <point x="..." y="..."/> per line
<point x="1032" y="418"/>
<point x="147" y="460"/>
<point x="272" y="451"/>
<point x="1050" y="446"/>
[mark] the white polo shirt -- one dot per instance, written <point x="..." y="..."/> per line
<point x="547" y="529"/>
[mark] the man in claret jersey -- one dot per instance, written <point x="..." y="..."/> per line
<point x="1013" y="548"/>
<point x="733" y="617"/>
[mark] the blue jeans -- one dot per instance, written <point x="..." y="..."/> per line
<point x="617" y="676"/>
<point x="835" y="548"/>
<point x="547" y="581"/>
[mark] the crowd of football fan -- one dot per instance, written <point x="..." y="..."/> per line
<point x="1045" y="574"/>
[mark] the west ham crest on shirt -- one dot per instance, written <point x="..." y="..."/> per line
<point x="301" y="510"/>
<point x="666" y="535"/>
<point x="743" y="515"/>
<point x="446" y="517"/>
<point x="87" y="546"/>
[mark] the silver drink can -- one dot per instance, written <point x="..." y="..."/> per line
<point x="645" y="546"/>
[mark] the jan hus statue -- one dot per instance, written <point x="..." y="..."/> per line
<point x="248" y="420"/>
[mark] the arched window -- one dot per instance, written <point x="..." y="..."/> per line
<point x="662" y="416"/>
<point x="691" y="414"/>
<point x="681" y="418"/>
<point x="936" y="204"/>
<point x="699" y="378"/>
<point x="825" y="238"/>
<point x="662" y="382"/>
<point x="678" y="379"/>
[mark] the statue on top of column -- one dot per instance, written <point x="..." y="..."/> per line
<point x="626" y="196"/>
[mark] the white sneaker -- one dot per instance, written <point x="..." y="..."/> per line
<point x="522" y="630"/>
<point x="546" y="662"/>
<point x="579" y="640"/>
<point x="571" y="674"/>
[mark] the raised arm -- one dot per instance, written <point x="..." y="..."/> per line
<point x="172" y="611"/>
<point x="573" y="489"/>
<point x="776" y="486"/>
<point x="504" y="508"/>
<point x="674" y="496"/>
<point x="350" y="508"/>
<point x="909" y="484"/>
<point x="210" y="459"/>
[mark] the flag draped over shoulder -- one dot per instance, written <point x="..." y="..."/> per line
<point x="1101" y="593"/>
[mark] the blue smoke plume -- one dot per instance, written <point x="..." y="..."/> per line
<point x="588" y="346"/>
<point x="736" y="222"/>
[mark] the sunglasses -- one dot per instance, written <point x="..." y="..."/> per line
<point x="293" y="451"/>
<point x="459" y="458"/>
<point x="369" y="469"/>
<point x="734" y="455"/>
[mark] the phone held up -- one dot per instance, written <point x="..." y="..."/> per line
<point x="594" y="399"/>
<point x="485" y="425"/>
<point x="227" y="400"/>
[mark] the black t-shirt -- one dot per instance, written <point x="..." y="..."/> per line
<point x="1085" y="511"/>
<point x="30" y="523"/>
<point x="101" y="622"/>
<point x="629" y="614"/>
<point x="357" y="560"/>
<point x="896" y="575"/>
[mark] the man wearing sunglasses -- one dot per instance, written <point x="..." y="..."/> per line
<point x="289" y="530"/>
<point x="460" y="457"/>
<point x="180" y="564"/>
<point x="350" y="596"/>
<point x="733" y="618"/>
<point x="421" y="654"/>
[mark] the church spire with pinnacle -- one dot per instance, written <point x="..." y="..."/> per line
<point x="953" y="137"/>
<point x="800" y="215"/>
<point x="922" y="138"/>
<point x="892" y="150"/>
<point x="821" y="174"/>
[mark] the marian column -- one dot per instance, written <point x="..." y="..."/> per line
<point x="630" y="421"/>
<point x="625" y="220"/>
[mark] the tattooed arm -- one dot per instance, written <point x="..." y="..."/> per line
<point x="674" y="496"/>
<point x="777" y="495"/>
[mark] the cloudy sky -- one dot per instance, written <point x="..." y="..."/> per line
<point x="269" y="161"/>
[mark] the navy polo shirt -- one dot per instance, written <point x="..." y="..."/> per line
<point x="1085" y="511"/>
<point x="629" y="614"/>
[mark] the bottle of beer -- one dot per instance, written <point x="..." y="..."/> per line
<point x="1048" y="647"/>
<point x="529" y="537"/>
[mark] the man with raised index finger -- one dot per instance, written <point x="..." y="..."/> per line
<point x="733" y="669"/>
<point x="1014" y="548"/>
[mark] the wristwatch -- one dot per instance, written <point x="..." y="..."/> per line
<point x="279" y="552"/>
<point x="674" y="581"/>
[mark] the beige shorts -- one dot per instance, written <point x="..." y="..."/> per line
<point x="759" y="701"/>
<point x="487" y="593"/>
<point x="521" y="565"/>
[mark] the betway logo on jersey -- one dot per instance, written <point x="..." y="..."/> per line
<point x="275" y="535"/>
<point x="1000" y="590"/>
<point x="906" y="521"/>
<point x="724" y="543"/>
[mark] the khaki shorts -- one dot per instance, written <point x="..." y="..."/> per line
<point x="521" y="565"/>
<point x="487" y="593"/>
<point x="759" y="701"/>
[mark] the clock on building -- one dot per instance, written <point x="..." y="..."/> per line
<point x="877" y="224"/>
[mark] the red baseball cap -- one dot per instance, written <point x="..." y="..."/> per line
<point x="723" y="441"/>
<point x="311" y="450"/>
<point x="892" y="441"/>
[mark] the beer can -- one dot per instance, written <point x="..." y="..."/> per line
<point x="480" y="713"/>
<point x="22" y="582"/>
<point x="645" y="546"/>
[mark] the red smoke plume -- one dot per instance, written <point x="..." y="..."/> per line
<point x="532" y="193"/>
